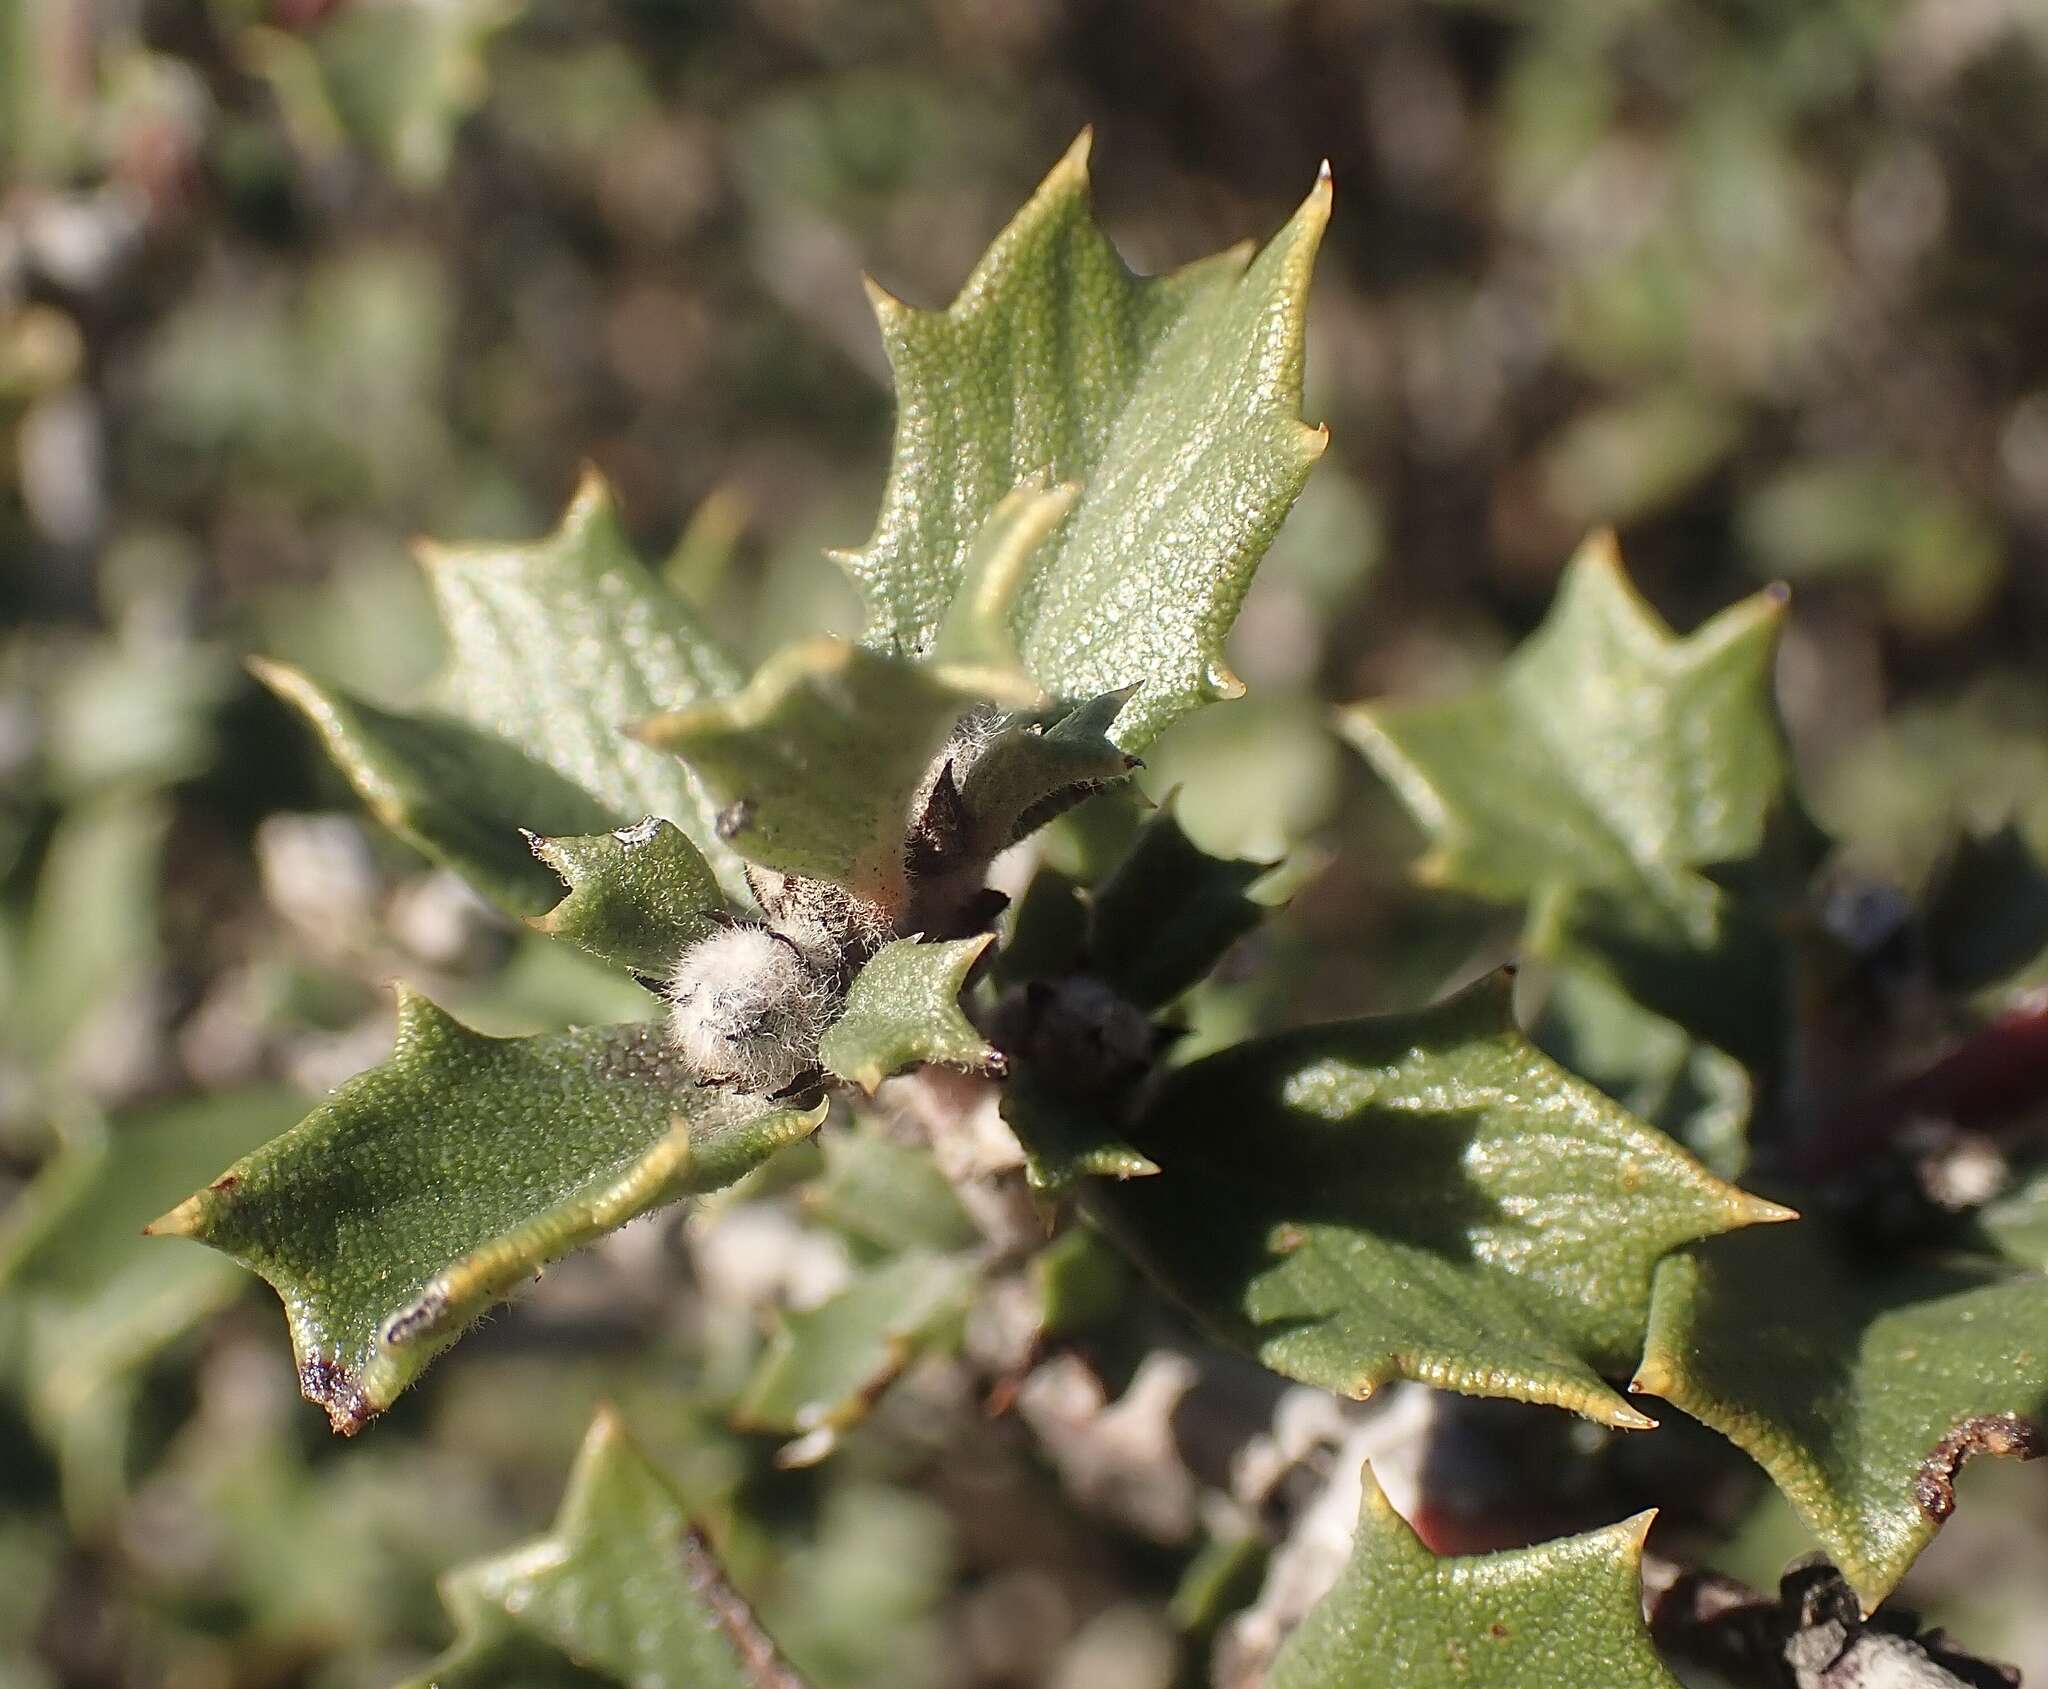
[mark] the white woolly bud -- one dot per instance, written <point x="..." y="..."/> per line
<point x="747" y="1009"/>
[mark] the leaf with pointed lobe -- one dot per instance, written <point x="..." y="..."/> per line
<point x="424" y="1190"/>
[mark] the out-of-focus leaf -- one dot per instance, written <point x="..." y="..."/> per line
<point x="1934" y="556"/>
<point x="556" y="648"/>
<point x="1860" y="1396"/>
<point x="1567" y="1611"/>
<point x="638" y="897"/>
<point x="904" y="1007"/>
<point x="1596" y="776"/>
<point x="93" y="924"/>
<point x="1987" y="909"/>
<point x="2016" y="1224"/>
<point x="393" y="1215"/>
<point x="399" y="78"/>
<point x="1080" y="1281"/>
<point x="1174" y="403"/>
<point x="818" y="760"/>
<point x="85" y="1300"/>
<point x="1607" y="752"/>
<point x="1419" y="1196"/>
<point x="826" y="1366"/>
<point x="1652" y="1066"/>
<point x="1168" y="913"/>
<point x="621" y="1591"/>
<point x="888" y="1196"/>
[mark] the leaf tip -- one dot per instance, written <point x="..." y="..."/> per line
<point x="188" y="1219"/>
<point x="1220" y="681"/>
<point x="889" y="310"/>
<point x="1752" y="1210"/>
<point x="1654" y="1376"/>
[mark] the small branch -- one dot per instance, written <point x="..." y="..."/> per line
<point x="1813" y="1636"/>
<point x="759" y="1657"/>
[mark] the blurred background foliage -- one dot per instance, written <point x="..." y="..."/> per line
<point x="284" y="283"/>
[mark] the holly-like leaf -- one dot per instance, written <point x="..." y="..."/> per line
<point x="1987" y="909"/>
<point x="2015" y="1225"/>
<point x="827" y="1366"/>
<point x="903" y="1008"/>
<point x="638" y="897"/>
<point x="1419" y="1196"/>
<point x="818" y="760"/>
<point x="555" y="648"/>
<point x="621" y="1591"/>
<point x="424" y="1190"/>
<point x="1677" y="1082"/>
<point x="1173" y="402"/>
<point x="1066" y="1141"/>
<point x="1567" y="1611"/>
<point x="1596" y="776"/>
<point x="887" y="1196"/>
<point x="1860" y="1396"/>
<point x="1167" y="913"/>
<point x="85" y="1302"/>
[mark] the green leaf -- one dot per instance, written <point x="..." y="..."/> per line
<point x="1987" y="909"/>
<point x="1652" y="1066"/>
<point x="1568" y="1611"/>
<point x="85" y="1301"/>
<point x="396" y="1213"/>
<point x="1167" y="914"/>
<point x="1066" y="1140"/>
<point x="887" y="1196"/>
<point x="1596" y="776"/>
<point x="1174" y="403"/>
<point x="1420" y="1196"/>
<point x="555" y="648"/>
<point x="2015" y="1225"/>
<point x="1858" y="1395"/>
<point x="904" y="1008"/>
<point x="638" y="897"/>
<point x="621" y="1591"/>
<point x="827" y="1366"/>
<point x="819" y="759"/>
<point x="1022" y="774"/>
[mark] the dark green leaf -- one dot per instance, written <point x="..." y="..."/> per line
<point x="638" y="897"/>
<point x="426" y="1189"/>
<point x="1168" y="913"/>
<point x="1563" y="1612"/>
<point x="904" y="1008"/>
<point x="1860" y="1395"/>
<point x="1596" y="777"/>
<point x="1417" y="1196"/>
